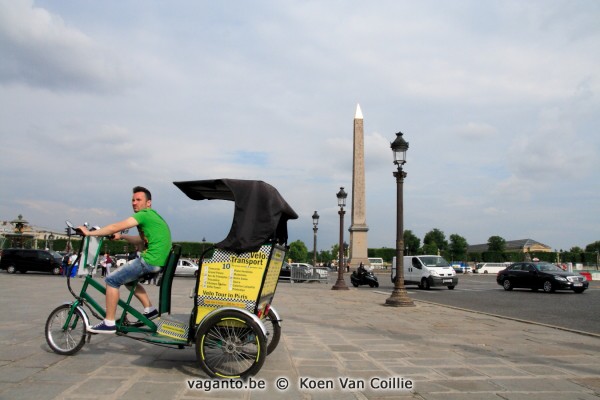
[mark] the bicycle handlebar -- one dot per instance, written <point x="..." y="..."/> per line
<point x="78" y="231"/>
<point x="79" y="252"/>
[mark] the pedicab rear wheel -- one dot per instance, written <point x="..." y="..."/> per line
<point x="273" y="331"/>
<point x="230" y="345"/>
<point x="65" y="335"/>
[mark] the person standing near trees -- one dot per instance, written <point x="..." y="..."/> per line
<point x="108" y="262"/>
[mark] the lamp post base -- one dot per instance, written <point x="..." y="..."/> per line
<point x="399" y="298"/>
<point x="340" y="284"/>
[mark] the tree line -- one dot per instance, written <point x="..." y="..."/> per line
<point x="453" y="248"/>
<point x="114" y="247"/>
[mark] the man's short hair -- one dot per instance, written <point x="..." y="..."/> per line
<point x="138" y="189"/>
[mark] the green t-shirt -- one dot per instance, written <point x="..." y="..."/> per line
<point x="155" y="232"/>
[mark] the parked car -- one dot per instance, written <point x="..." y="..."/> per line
<point x="285" y="272"/>
<point x="461" y="268"/>
<point x="310" y="271"/>
<point x="122" y="259"/>
<point x="186" y="267"/>
<point x="376" y="262"/>
<point x="23" y="260"/>
<point x="300" y="272"/>
<point x="540" y="275"/>
<point x="490" y="267"/>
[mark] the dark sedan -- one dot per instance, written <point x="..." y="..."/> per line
<point x="286" y="272"/>
<point x="540" y="275"/>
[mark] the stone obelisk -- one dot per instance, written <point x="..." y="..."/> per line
<point x="358" y="228"/>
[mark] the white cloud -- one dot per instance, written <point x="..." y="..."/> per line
<point x="494" y="211"/>
<point x="475" y="130"/>
<point x="499" y="102"/>
<point x="39" y="49"/>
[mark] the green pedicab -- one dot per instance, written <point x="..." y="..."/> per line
<point x="231" y="324"/>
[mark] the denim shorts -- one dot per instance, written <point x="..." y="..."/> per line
<point x="130" y="272"/>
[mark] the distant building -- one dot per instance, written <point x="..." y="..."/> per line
<point x="19" y="233"/>
<point x="515" y="246"/>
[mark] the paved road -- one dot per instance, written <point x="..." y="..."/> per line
<point x="328" y="337"/>
<point x="481" y="293"/>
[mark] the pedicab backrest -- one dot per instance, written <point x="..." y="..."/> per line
<point x="244" y="268"/>
<point x="246" y="280"/>
<point x="166" y="282"/>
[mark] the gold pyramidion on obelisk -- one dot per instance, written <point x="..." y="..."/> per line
<point x="358" y="228"/>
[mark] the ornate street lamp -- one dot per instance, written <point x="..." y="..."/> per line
<point x="51" y="241"/>
<point x="399" y="297"/>
<point x="315" y="219"/>
<point x="68" y="232"/>
<point x="340" y="284"/>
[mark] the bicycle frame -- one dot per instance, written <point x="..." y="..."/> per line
<point x="232" y="323"/>
<point x="88" y="260"/>
<point x="121" y="322"/>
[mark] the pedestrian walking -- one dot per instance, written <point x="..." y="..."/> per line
<point x="108" y="262"/>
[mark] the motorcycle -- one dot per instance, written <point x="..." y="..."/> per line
<point x="364" y="278"/>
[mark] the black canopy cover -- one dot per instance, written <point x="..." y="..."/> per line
<point x="261" y="214"/>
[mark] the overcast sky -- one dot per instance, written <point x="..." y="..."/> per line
<point x="498" y="100"/>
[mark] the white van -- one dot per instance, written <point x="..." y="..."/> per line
<point x="427" y="271"/>
<point x="489" y="268"/>
<point x="376" y="262"/>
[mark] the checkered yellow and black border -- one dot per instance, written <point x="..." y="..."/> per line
<point x="221" y="255"/>
<point x="219" y="301"/>
<point x="174" y="329"/>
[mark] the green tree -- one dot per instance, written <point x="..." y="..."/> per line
<point x="430" y="248"/>
<point x="411" y="242"/>
<point x="593" y="247"/>
<point x="496" y="244"/>
<point x="324" y="256"/>
<point x="335" y="252"/>
<point x="435" y="238"/>
<point x="298" y="251"/>
<point x="458" y="247"/>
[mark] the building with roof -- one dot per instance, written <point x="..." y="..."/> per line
<point x="516" y="246"/>
<point x="19" y="233"/>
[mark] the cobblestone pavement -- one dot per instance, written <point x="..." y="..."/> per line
<point x="334" y="345"/>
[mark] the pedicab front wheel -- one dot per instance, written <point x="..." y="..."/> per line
<point x="230" y="345"/>
<point x="65" y="330"/>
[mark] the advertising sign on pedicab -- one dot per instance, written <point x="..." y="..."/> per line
<point x="238" y="279"/>
<point x="232" y="323"/>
